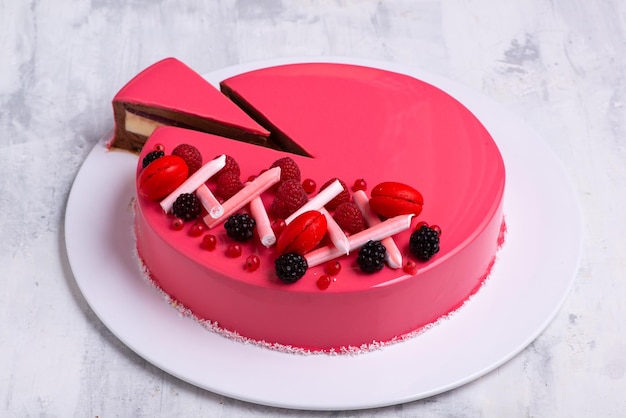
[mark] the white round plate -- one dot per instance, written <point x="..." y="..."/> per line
<point x="528" y="285"/>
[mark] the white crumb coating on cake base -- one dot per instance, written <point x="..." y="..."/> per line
<point x="213" y="326"/>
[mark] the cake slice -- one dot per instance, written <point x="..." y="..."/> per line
<point x="170" y="93"/>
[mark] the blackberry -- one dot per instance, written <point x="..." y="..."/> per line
<point x="424" y="243"/>
<point x="151" y="156"/>
<point x="371" y="257"/>
<point x="186" y="207"/>
<point x="290" y="267"/>
<point x="240" y="227"/>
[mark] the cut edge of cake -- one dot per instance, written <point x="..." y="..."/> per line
<point x="153" y="98"/>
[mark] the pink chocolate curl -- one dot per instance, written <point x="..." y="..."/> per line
<point x="383" y="230"/>
<point x="194" y="181"/>
<point x="393" y="256"/>
<point x="318" y="201"/>
<point x="263" y="224"/>
<point x="335" y="233"/>
<point x="209" y="201"/>
<point x="251" y="190"/>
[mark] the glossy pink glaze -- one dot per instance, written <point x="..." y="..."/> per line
<point x="358" y="123"/>
<point x="170" y="84"/>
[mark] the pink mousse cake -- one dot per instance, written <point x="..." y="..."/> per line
<point x="366" y="127"/>
<point x="170" y="93"/>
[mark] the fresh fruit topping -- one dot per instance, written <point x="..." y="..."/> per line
<point x="371" y="257"/>
<point x="391" y="198"/>
<point x="342" y="197"/>
<point x="162" y="177"/>
<point x="209" y="242"/>
<point x="232" y="167"/>
<point x="290" y="196"/>
<point x="424" y="243"/>
<point x="186" y="206"/>
<point x="240" y="227"/>
<point x="359" y="184"/>
<point x="159" y="147"/>
<point x="309" y="185"/>
<point x="191" y="155"/>
<point x="252" y="263"/>
<point x="289" y="170"/>
<point x="151" y="156"/>
<point x="197" y="229"/>
<point x="227" y="185"/>
<point x="324" y="281"/>
<point x="290" y="267"/>
<point x="349" y="218"/>
<point x="420" y="224"/>
<point x="410" y="267"/>
<point x="177" y="224"/>
<point x="332" y="268"/>
<point x="302" y="234"/>
<point x="233" y="250"/>
<point x="437" y="229"/>
<point x="278" y="226"/>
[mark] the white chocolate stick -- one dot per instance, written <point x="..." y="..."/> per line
<point x="209" y="201"/>
<point x="251" y="190"/>
<point x="263" y="225"/>
<point x="335" y="233"/>
<point x="318" y="201"/>
<point x="393" y="256"/>
<point x="194" y="181"/>
<point x="383" y="230"/>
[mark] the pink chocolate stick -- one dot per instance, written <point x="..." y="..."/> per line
<point x="318" y="201"/>
<point x="194" y="181"/>
<point x="253" y="189"/>
<point x="263" y="225"/>
<point x="394" y="256"/>
<point x="209" y="201"/>
<point x="383" y="230"/>
<point x="335" y="233"/>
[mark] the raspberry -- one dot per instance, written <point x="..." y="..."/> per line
<point x="290" y="196"/>
<point x="191" y="155"/>
<point x="342" y="197"/>
<point x="289" y="170"/>
<point x="240" y="227"/>
<point x="371" y="257"/>
<point x="290" y="267"/>
<point x="228" y="184"/>
<point x="231" y="166"/>
<point x="186" y="207"/>
<point x="349" y="218"/>
<point x="424" y="243"/>
<point x="151" y="156"/>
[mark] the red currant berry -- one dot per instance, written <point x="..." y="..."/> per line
<point x="177" y="224"/>
<point x="420" y="224"/>
<point x="332" y="268"/>
<point x="410" y="267"/>
<point x="359" y="184"/>
<point x="159" y="147"/>
<point x="309" y="186"/>
<point x="252" y="263"/>
<point x="233" y="250"/>
<point x="324" y="281"/>
<point x="209" y="242"/>
<point x="251" y="177"/>
<point x="278" y="226"/>
<point x="197" y="229"/>
<point x="436" y="229"/>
